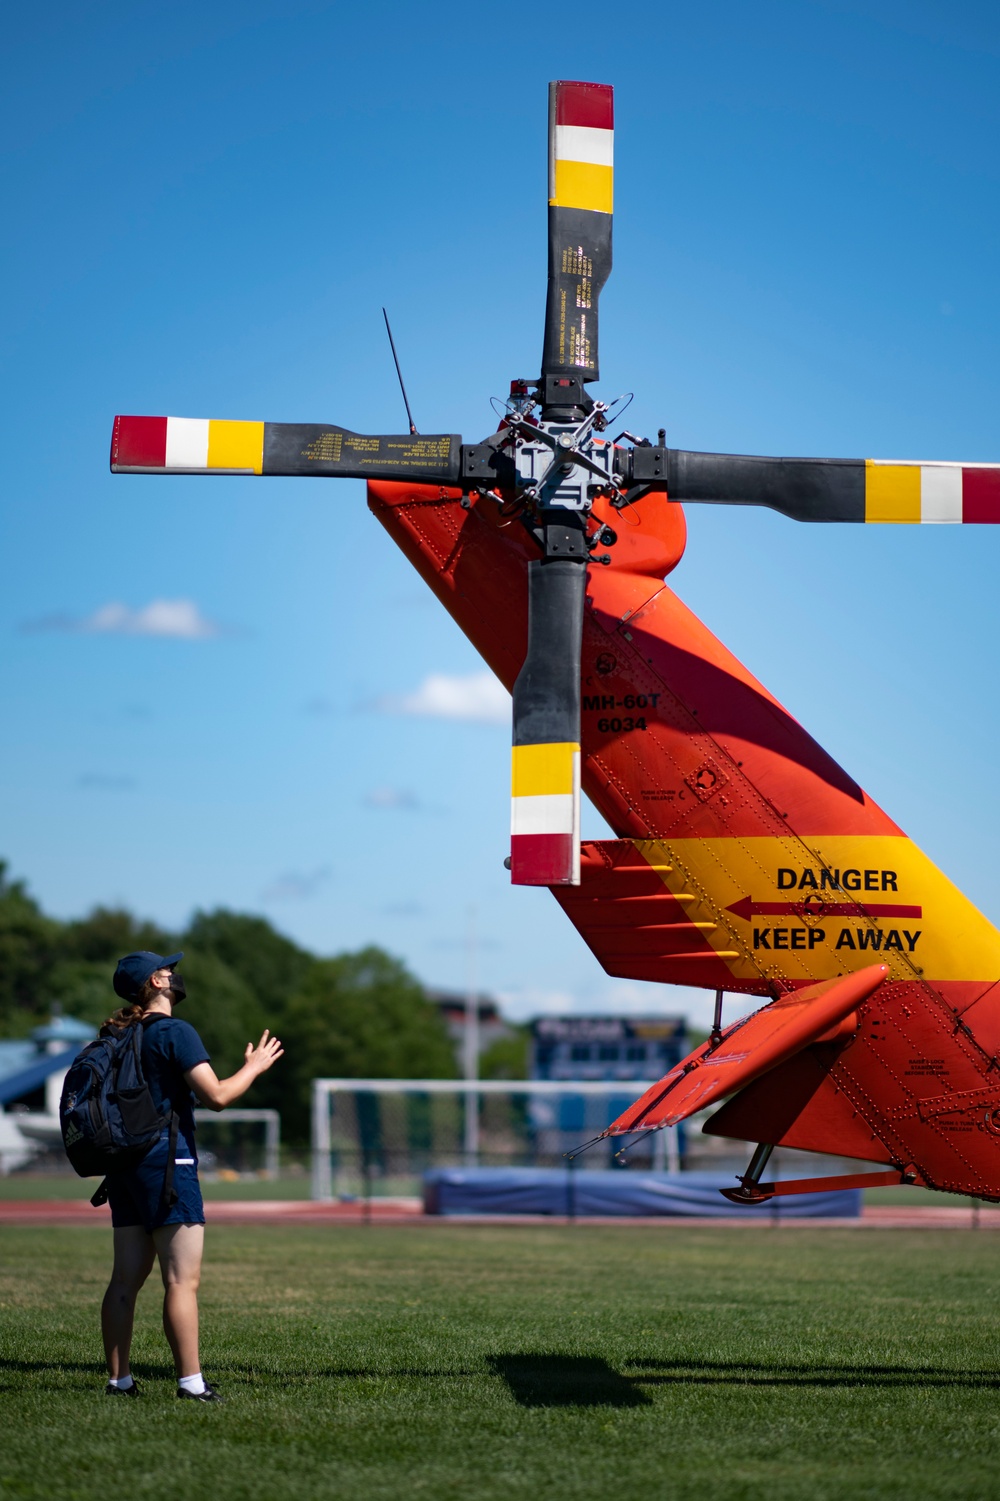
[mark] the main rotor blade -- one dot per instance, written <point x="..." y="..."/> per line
<point x="874" y="490"/>
<point x="195" y="445"/>
<point x="545" y="784"/>
<point x="581" y="175"/>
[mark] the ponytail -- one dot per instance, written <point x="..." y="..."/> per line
<point x="130" y="1015"/>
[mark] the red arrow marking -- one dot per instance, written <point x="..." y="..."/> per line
<point x="746" y="908"/>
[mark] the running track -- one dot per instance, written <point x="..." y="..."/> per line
<point x="409" y="1212"/>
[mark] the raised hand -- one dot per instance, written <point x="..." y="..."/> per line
<point x="267" y="1051"/>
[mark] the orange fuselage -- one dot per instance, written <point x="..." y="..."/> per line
<point x="747" y="859"/>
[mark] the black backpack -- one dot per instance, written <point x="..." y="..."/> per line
<point x="106" y="1112"/>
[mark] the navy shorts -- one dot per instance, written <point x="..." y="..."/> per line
<point x="136" y="1195"/>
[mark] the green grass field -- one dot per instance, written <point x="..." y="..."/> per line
<point x="530" y="1363"/>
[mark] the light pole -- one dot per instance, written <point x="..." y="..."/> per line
<point x="471" y="1048"/>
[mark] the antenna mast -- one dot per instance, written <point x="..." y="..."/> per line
<point x="395" y="359"/>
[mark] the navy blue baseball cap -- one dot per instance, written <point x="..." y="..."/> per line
<point x="135" y="969"/>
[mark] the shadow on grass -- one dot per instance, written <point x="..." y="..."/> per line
<point x="340" y="1373"/>
<point x="234" y="1369"/>
<point x="746" y="1373"/>
<point x="536" y="1380"/>
<point x="79" y="1368"/>
<point x="566" y="1381"/>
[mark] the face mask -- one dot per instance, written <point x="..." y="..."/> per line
<point x="177" y="988"/>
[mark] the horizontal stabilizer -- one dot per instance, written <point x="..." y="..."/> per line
<point x="201" y="445"/>
<point x="748" y="1049"/>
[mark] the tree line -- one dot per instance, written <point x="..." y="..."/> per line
<point x="358" y="1014"/>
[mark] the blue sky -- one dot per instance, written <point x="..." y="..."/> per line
<point x="216" y="692"/>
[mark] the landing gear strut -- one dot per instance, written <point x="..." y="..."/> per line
<point x="750" y="1190"/>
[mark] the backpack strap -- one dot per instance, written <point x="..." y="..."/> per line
<point x="101" y="1196"/>
<point x="169" y="1196"/>
<point x="137" y="1046"/>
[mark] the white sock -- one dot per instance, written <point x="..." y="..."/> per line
<point x="122" y="1382"/>
<point x="194" y="1384"/>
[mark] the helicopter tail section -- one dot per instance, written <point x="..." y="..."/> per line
<point x="745" y="859"/>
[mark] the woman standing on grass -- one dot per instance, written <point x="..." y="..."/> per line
<point x="149" y="1221"/>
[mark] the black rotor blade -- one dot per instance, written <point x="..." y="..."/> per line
<point x="581" y="173"/>
<point x="873" y="490"/>
<point x="199" y="445"/>
<point x="804" y="489"/>
<point x="545" y="785"/>
<point x="308" y="449"/>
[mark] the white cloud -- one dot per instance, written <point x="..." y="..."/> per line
<point x="162" y="617"/>
<point x="393" y="798"/>
<point x="476" y="697"/>
<point x="177" y="618"/>
<point x="525" y="1004"/>
<point x="296" y="886"/>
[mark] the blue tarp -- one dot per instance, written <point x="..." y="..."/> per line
<point x="34" y="1075"/>
<point x="561" y="1191"/>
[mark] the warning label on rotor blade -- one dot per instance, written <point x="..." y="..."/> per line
<point x="579" y="263"/>
<point x="309" y="448"/>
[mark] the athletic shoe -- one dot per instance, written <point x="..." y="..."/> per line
<point x="208" y="1395"/>
<point x="117" y="1391"/>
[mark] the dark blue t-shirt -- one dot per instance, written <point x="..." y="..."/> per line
<point x="169" y="1048"/>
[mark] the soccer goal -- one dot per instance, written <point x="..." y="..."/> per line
<point x="243" y="1142"/>
<point x="378" y="1137"/>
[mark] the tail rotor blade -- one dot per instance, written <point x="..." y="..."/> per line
<point x="861" y="490"/>
<point x="581" y="175"/>
<point x="201" y="445"/>
<point x="545" y="785"/>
